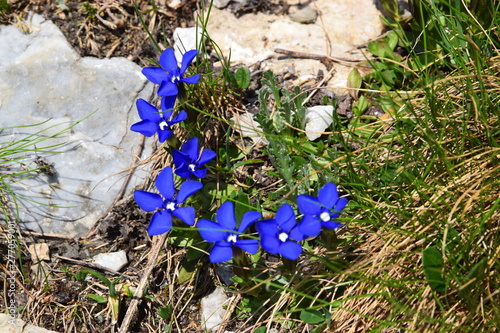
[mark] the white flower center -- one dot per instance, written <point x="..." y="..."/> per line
<point x="175" y="78"/>
<point x="192" y="167"/>
<point x="170" y="206"/>
<point x="325" y="217"/>
<point x="232" y="238"/>
<point x="163" y="125"/>
<point x="283" y="236"/>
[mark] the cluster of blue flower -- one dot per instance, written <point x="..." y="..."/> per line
<point x="279" y="235"/>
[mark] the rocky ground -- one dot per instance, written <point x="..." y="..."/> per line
<point x="52" y="297"/>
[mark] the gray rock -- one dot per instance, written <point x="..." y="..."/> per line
<point x="344" y="26"/>
<point x="185" y="39"/>
<point x="212" y="309"/>
<point x="112" y="260"/>
<point x="248" y="127"/>
<point x="9" y="325"/>
<point x="44" y="81"/>
<point x="318" y="118"/>
<point x="221" y="3"/>
<point x="305" y="15"/>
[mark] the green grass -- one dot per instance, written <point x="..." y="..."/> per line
<point x="419" y="250"/>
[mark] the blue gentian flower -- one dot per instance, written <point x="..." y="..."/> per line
<point x="189" y="161"/>
<point x="225" y="234"/>
<point x="321" y="211"/>
<point x="281" y="234"/>
<point x="167" y="204"/>
<point x="154" y="121"/>
<point x="169" y="75"/>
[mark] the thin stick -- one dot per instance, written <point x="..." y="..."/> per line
<point x="155" y="251"/>
<point x="44" y="235"/>
<point x="94" y="266"/>
<point x="293" y="54"/>
<point x="16" y="279"/>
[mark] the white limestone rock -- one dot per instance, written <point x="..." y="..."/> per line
<point x="44" y="81"/>
<point x="344" y="25"/>
<point x="318" y="119"/>
<point x="112" y="260"/>
<point x="248" y="127"/>
<point x="212" y="309"/>
<point x="186" y="39"/>
<point x="15" y="325"/>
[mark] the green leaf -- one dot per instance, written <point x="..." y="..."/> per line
<point x="97" y="298"/>
<point x="354" y="81"/>
<point x="62" y="5"/>
<point x="230" y="78"/>
<point x="452" y="240"/>
<point x="393" y="39"/>
<point x="262" y="329"/>
<point x="360" y="106"/>
<point x="432" y="262"/>
<point x="166" y="312"/>
<point x="319" y="329"/>
<point x="310" y="316"/>
<point x="242" y="205"/>
<point x="242" y="75"/>
<point x="187" y="271"/>
<point x="193" y="252"/>
<point x="476" y="273"/>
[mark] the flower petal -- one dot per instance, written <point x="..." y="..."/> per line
<point x="249" y="218"/>
<point x="161" y="222"/>
<point x="200" y="173"/>
<point x="225" y="215"/>
<point x="267" y="227"/>
<point x="168" y="88"/>
<point x="270" y="244"/>
<point x="341" y="204"/>
<point x="211" y="231"/>
<point x="147" y="111"/>
<point x="309" y="226"/>
<point x="248" y="245"/>
<point x="181" y="116"/>
<point x="188" y="188"/>
<point x="331" y="224"/>
<point x="328" y="195"/>
<point x="148" y="201"/>
<point x="187" y="58"/>
<point x="165" y="183"/>
<point x="191" y="79"/>
<point x="190" y="148"/>
<point x="155" y="74"/>
<point x="145" y="127"/>
<point x="285" y="217"/>
<point x="222" y="251"/>
<point x="308" y="204"/>
<point x="163" y="135"/>
<point x="206" y="156"/>
<point x="185" y="214"/>
<point x="180" y="160"/>
<point x="183" y="172"/>
<point x="168" y="61"/>
<point x="297" y="235"/>
<point x="290" y="250"/>
<point x="168" y="103"/>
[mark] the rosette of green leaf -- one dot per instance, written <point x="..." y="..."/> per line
<point x="113" y="297"/>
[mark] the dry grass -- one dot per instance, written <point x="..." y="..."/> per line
<point x="392" y="294"/>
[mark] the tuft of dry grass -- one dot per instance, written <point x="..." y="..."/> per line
<point x="462" y="194"/>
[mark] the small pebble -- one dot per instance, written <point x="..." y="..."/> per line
<point x="305" y="15"/>
<point x="112" y="260"/>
